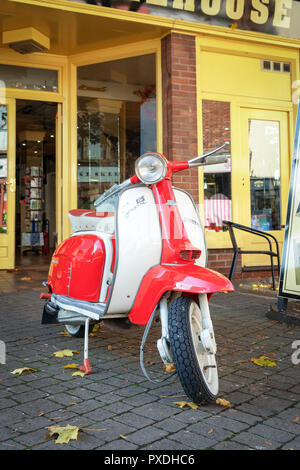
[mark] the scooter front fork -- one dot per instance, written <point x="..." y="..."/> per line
<point x="163" y="343"/>
<point x="86" y="367"/>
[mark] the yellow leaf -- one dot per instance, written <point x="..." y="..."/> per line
<point x="65" y="333"/>
<point x="169" y="368"/>
<point x="223" y="402"/>
<point x="65" y="353"/>
<point x="109" y="347"/>
<point x="123" y="437"/>
<point x="296" y="419"/>
<point x="263" y="361"/>
<point x="95" y="329"/>
<point x="65" y="433"/>
<point x="25" y="278"/>
<point x="182" y="404"/>
<point x="78" y="374"/>
<point x="23" y="370"/>
<point x="211" y="431"/>
<point x="71" y="366"/>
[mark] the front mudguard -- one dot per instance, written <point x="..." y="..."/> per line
<point x="191" y="279"/>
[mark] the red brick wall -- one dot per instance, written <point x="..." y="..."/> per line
<point x="180" y="106"/>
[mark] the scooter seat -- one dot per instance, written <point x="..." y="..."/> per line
<point x="85" y="220"/>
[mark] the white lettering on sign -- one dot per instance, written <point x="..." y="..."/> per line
<point x="281" y="11"/>
<point x="235" y="9"/>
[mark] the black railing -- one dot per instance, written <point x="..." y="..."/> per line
<point x="273" y="251"/>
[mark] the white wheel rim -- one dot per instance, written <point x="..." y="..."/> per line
<point x="72" y="329"/>
<point x="206" y="361"/>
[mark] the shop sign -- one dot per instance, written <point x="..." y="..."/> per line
<point x="289" y="285"/>
<point x="276" y="17"/>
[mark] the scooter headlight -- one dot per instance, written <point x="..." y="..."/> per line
<point x="150" y="168"/>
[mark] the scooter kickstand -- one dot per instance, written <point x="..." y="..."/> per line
<point x="86" y="368"/>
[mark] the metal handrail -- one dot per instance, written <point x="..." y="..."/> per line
<point x="237" y="250"/>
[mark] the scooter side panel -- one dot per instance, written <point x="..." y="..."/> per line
<point x="77" y="268"/>
<point x="191" y="279"/>
<point x="139" y="245"/>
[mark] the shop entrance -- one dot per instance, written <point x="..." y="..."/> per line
<point x="35" y="222"/>
<point x="27" y="182"/>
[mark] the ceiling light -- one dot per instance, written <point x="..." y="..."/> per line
<point x="26" y="40"/>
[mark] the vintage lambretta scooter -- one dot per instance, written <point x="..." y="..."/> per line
<point x="142" y="252"/>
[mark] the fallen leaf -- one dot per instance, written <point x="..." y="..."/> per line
<point x="123" y="437"/>
<point x="109" y="347"/>
<point x="95" y="329"/>
<point x="211" y="431"/>
<point x="65" y="353"/>
<point x="169" y="368"/>
<point x="25" y="278"/>
<point x="223" y="402"/>
<point x="78" y="374"/>
<point x="42" y="413"/>
<point x="269" y="443"/>
<point x="65" y="433"/>
<point x="24" y="370"/>
<point x="182" y="404"/>
<point x="263" y="361"/>
<point x="65" y="333"/>
<point x="296" y="419"/>
<point x="71" y="366"/>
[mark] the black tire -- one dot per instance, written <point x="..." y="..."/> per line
<point x="190" y="364"/>
<point x="77" y="331"/>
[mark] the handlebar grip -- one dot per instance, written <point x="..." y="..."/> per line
<point x="215" y="159"/>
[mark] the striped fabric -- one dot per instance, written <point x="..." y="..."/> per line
<point x="216" y="209"/>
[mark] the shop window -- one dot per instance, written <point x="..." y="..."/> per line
<point x="116" y="122"/>
<point x="217" y="178"/>
<point x="28" y="78"/>
<point x="264" y="156"/>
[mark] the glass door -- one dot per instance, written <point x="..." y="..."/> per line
<point x="265" y="175"/>
<point x="7" y="183"/>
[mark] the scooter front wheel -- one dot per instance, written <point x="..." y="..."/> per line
<point x="77" y="330"/>
<point x="196" y="368"/>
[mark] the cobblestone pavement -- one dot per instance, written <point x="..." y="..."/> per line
<point x="118" y="408"/>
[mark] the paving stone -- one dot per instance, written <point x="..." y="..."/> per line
<point x="118" y="444"/>
<point x="270" y="433"/>
<point x="193" y="441"/>
<point x="155" y="411"/>
<point x="166" y="444"/>
<point x="146" y="435"/>
<point x="256" y="442"/>
<point x="230" y="445"/>
<point x="134" y="420"/>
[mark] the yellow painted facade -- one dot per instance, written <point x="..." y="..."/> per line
<point x="228" y="68"/>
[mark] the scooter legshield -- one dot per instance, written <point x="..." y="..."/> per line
<point x="77" y="266"/>
<point x="191" y="279"/>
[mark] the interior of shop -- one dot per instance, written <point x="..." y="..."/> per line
<point x="35" y="181"/>
<point x="116" y="122"/>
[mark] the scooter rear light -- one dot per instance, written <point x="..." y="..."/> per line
<point x="189" y="255"/>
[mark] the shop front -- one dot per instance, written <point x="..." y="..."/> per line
<point x="116" y="79"/>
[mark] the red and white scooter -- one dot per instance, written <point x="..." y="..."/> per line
<point x="142" y="252"/>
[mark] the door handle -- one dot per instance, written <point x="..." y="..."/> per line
<point x="12" y="185"/>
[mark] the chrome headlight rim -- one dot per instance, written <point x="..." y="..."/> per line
<point x="156" y="156"/>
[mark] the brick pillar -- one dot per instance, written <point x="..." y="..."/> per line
<point x="180" y="106"/>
